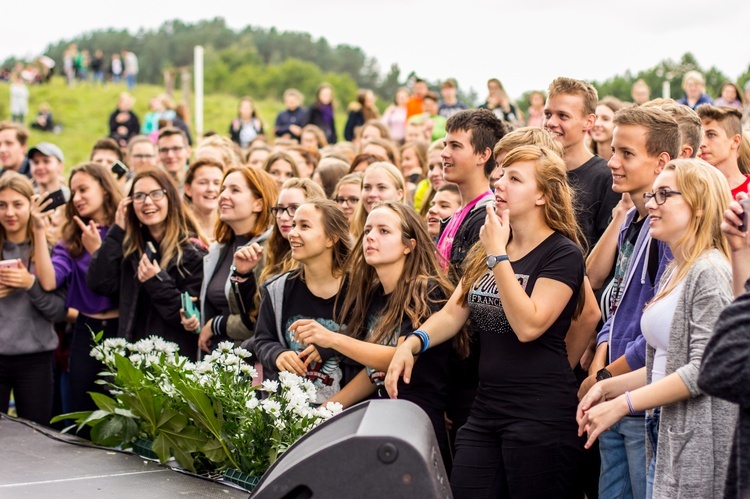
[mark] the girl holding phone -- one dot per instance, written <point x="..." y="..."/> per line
<point x="27" y="312"/>
<point x="149" y="287"/>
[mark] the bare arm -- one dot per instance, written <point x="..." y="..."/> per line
<point x="602" y="256"/>
<point x="355" y="391"/>
<point x="584" y="327"/>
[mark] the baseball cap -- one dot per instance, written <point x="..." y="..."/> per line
<point x="48" y="150"/>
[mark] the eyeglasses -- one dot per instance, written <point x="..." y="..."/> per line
<point x="351" y="200"/>
<point x="167" y="150"/>
<point x="660" y="196"/>
<point x="290" y="210"/>
<point x="143" y="156"/>
<point x="140" y="197"/>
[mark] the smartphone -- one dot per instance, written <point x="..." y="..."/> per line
<point x="119" y="169"/>
<point x="189" y="308"/>
<point x="151" y="252"/>
<point x="9" y="264"/>
<point x="58" y="199"/>
<point x="745" y="203"/>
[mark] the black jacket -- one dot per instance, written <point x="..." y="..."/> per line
<point x="156" y="302"/>
<point x="315" y="117"/>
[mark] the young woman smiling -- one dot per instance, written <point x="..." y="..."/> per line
<point x="149" y="285"/>
<point x="381" y="181"/>
<point x="319" y="242"/>
<point x="689" y="432"/>
<point x="201" y="192"/>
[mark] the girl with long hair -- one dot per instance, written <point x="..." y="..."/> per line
<point x="201" y="193"/>
<point x="521" y="290"/>
<point x="347" y="193"/>
<point x="689" y="433"/>
<point x="322" y="112"/>
<point x="244" y="221"/>
<point x="395" y="284"/>
<point x="89" y="215"/>
<point x="27" y="337"/>
<point x="247" y="126"/>
<point x="320" y="245"/>
<point x="381" y="181"/>
<point x="150" y="256"/>
<point x="281" y="166"/>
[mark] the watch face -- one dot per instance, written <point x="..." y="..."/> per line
<point x="491" y="261"/>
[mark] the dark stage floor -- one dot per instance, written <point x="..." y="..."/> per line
<point x="33" y="465"/>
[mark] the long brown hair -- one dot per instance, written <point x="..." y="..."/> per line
<point x="336" y="228"/>
<point x="412" y="296"/>
<point x="278" y="252"/>
<point x="181" y="227"/>
<point x="558" y="213"/>
<point x="111" y="197"/>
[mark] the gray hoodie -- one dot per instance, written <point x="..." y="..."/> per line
<point x="27" y="316"/>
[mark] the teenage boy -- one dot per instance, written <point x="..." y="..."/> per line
<point x="174" y="153"/>
<point x="722" y="136"/>
<point x="644" y="141"/>
<point x="450" y="104"/>
<point x="47" y="166"/>
<point x="569" y="114"/>
<point x="13" y="143"/>
<point x="468" y="162"/>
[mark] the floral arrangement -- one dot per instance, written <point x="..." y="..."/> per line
<point x="207" y="415"/>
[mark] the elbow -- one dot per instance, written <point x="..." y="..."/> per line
<point x="528" y="334"/>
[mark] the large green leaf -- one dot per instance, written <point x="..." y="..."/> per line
<point x="103" y="402"/>
<point x="214" y="451"/>
<point x="78" y="417"/>
<point x="109" y="432"/>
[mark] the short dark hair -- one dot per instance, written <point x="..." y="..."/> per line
<point x="107" y="144"/>
<point x="170" y="131"/>
<point x="729" y="118"/>
<point x="486" y="130"/>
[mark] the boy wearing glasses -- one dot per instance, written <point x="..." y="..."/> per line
<point x="643" y="142"/>
<point x="174" y="154"/>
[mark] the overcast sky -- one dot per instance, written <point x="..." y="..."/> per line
<point x="525" y="46"/>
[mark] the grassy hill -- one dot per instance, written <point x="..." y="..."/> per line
<point x="83" y="111"/>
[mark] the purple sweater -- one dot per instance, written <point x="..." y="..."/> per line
<point x="72" y="272"/>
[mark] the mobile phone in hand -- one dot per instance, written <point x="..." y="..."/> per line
<point x="745" y="203"/>
<point x="9" y="264"/>
<point x="58" y="199"/>
<point x="119" y="169"/>
<point x="151" y="252"/>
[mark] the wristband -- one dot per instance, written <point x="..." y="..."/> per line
<point x="630" y="403"/>
<point x="424" y="339"/>
<point x="233" y="273"/>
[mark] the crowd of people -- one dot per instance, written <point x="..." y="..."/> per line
<point x="564" y="294"/>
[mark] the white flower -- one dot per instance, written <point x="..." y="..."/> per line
<point x="252" y="403"/>
<point x="279" y="424"/>
<point x="136" y="359"/>
<point x="225" y="347"/>
<point x="270" y="386"/>
<point x="160" y="345"/>
<point x="231" y="359"/>
<point x="249" y="370"/>
<point x="289" y="380"/>
<point x="115" y="343"/>
<point x="335" y="408"/>
<point x="146" y="345"/>
<point x="272" y="407"/>
<point x="97" y="354"/>
<point x="242" y="353"/>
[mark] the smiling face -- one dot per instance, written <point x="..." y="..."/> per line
<point x="633" y="170"/>
<point x="12" y="153"/>
<point x="45" y="170"/>
<point x="308" y="238"/>
<point x="238" y="206"/>
<point x="444" y="204"/>
<point x="516" y="190"/>
<point x="14" y="213"/>
<point x="204" y="189"/>
<point x="382" y="240"/>
<point x="281" y="171"/>
<point x="564" y="118"/>
<point x="87" y="196"/>
<point x="290" y="199"/>
<point x="350" y="194"/>
<point x="173" y="153"/>
<point x="378" y="186"/>
<point x="152" y="214"/>
<point x="670" y="221"/>
<point x="604" y="125"/>
<point x="460" y="162"/>
<point x="435" y="169"/>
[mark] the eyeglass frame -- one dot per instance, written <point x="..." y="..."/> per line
<point x="667" y="193"/>
<point x="290" y="210"/>
<point x="148" y="195"/>
<point x="348" y="200"/>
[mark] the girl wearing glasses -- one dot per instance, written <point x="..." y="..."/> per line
<point x="149" y="257"/>
<point x="689" y="433"/>
<point x="347" y="192"/>
<point x="90" y="214"/>
<point x="320" y="245"/>
<point x="244" y="220"/>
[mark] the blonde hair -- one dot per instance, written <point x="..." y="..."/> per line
<point x="707" y="193"/>
<point x="360" y="214"/>
<point x="230" y="153"/>
<point x="23" y="186"/>
<point x="568" y="86"/>
<point x="527" y="136"/>
<point x="694" y="76"/>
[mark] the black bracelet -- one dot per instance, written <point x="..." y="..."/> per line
<point x="234" y="273"/>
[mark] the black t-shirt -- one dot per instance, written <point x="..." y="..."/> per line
<point x="429" y="381"/>
<point x="326" y="376"/>
<point x="594" y="198"/>
<point x="531" y="381"/>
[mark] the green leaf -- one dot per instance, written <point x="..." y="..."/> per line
<point x="98" y="336"/>
<point x="95" y="416"/>
<point x="214" y="451"/>
<point x="108" y="432"/>
<point x="78" y="417"/>
<point x="103" y="402"/>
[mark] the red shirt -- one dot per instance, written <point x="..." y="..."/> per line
<point x="742" y="187"/>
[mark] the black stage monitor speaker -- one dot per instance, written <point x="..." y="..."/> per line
<point x="378" y="449"/>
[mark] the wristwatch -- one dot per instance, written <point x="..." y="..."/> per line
<point x="493" y="260"/>
<point x="603" y="374"/>
<point x="233" y="273"/>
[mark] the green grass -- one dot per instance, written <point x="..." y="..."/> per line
<point x="83" y="111"/>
